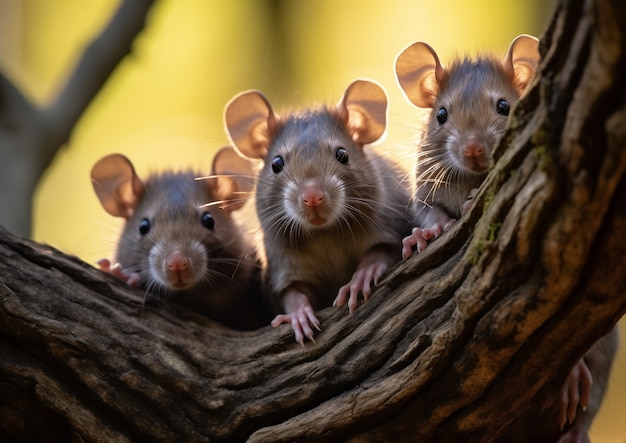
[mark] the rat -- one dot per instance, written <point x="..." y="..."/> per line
<point x="331" y="211"/>
<point x="180" y="240"/>
<point x="470" y="102"/>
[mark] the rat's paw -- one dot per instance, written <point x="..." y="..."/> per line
<point x="131" y="278"/>
<point x="576" y="390"/>
<point x="470" y="200"/>
<point x="419" y="238"/>
<point x="466" y="206"/>
<point x="104" y="264"/>
<point x="300" y="316"/>
<point x="448" y="224"/>
<point x="360" y="284"/>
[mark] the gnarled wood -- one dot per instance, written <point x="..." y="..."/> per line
<point x="454" y="345"/>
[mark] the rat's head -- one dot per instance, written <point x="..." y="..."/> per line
<point x="470" y="101"/>
<point x="179" y="233"/>
<point x="316" y="175"/>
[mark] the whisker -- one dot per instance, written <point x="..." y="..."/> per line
<point x="224" y="203"/>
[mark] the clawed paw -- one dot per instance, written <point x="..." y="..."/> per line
<point x="576" y="391"/>
<point x="300" y="316"/>
<point x="419" y="239"/>
<point x="361" y="283"/>
<point x="131" y="278"/>
<point x="470" y="201"/>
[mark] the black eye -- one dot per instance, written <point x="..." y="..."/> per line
<point x="144" y="227"/>
<point x="442" y="116"/>
<point x="342" y="155"/>
<point x="207" y="221"/>
<point x="503" y="107"/>
<point x="278" y="164"/>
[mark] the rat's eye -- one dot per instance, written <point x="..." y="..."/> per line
<point x="503" y="107"/>
<point x="278" y="164"/>
<point x="442" y="116"/>
<point x="207" y="221"/>
<point x="144" y="227"/>
<point x="342" y="155"/>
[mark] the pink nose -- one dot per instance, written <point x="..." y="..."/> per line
<point x="473" y="149"/>
<point x="312" y="194"/>
<point x="177" y="261"/>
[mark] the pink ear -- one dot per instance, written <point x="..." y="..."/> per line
<point x="419" y="74"/>
<point x="116" y="185"/>
<point x="522" y="60"/>
<point x="363" y="109"/>
<point x="250" y="121"/>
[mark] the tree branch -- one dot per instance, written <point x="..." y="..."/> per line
<point x="30" y="137"/>
<point x="97" y="63"/>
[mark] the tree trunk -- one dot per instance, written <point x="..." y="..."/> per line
<point x="455" y="344"/>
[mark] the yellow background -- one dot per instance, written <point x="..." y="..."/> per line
<point x="163" y="106"/>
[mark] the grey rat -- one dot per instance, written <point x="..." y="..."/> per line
<point x="180" y="240"/>
<point x="470" y="103"/>
<point x="331" y="210"/>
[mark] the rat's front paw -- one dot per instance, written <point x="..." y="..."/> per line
<point x="571" y="396"/>
<point x="361" y="283"/>
<point x="419" y="239"/>
<point x="131" y="278"/>
<point x="470" y="201"/>
<point x="300" y="316"/>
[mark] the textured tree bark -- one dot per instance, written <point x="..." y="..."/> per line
<point x="454" y="345"/>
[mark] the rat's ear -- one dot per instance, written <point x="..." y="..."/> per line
<point x="250" y="122"/>
<point x="363" y="109"/>
<point x="521" y="61"/>
<point x="234" y="179"/>
<point x="116" y="184"/>
<point x="419" y="74"/>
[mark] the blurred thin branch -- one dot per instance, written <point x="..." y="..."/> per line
<point x="31" y="136"/>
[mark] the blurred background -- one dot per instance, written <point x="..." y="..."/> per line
<point x="163" y="105"/>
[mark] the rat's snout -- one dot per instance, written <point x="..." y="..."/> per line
<point x="177" y="261"/>
<point x="473" y="147"/>
<point x="312" y="193"/>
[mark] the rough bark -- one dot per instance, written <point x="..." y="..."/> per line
<point x="454" y="345"/>
<point x="31" y="135"/>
